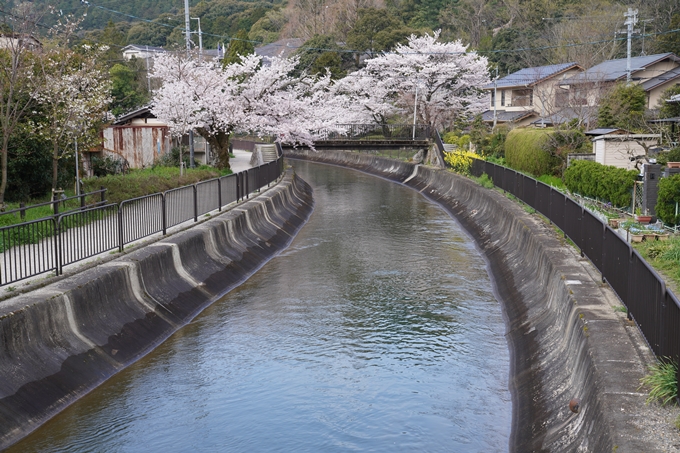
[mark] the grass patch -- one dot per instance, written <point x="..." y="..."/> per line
<point x="552" y="181"/>
<point x="664" y="256"/>
<point x="662" y="382"/>
<point x="484" y="181"/>
<point x="138" y="183"/>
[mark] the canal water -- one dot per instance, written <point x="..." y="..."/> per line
<point x="376" y="331"/>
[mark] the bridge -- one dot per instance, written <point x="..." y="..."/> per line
<point x="379" y="137"/>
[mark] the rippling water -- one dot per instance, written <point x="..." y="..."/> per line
<point x="377" y="330"/>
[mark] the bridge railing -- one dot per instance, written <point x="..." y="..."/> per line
<point x="36" y="247"/>
<point x="359" y="132"/>
<point x="655" y="309"/>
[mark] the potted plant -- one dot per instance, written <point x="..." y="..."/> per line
<point x="640" y="218"/>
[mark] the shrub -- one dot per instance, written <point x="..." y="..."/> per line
<point x="460" y="161"/>
<point x="525" y="151"/>
<point x="668" y="199"/>
<point x="108" y="165"/>
<point x="602" y="182"/>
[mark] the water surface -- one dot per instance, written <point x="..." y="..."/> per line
<point x="377" y="330"/>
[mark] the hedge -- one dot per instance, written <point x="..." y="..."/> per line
<point x="602" y="182"/>
<point x="525" y="152"/>
<point x="668" y="199"/>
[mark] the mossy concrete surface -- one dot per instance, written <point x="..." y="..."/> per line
<point x="566" y="339"/>
<point x="59" y="342"/>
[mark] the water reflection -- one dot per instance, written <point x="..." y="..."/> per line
<point x="375" y="331"/>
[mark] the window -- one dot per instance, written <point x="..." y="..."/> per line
<point x="522" y="98"/>
<point x="493" y="99"/>
<point x="502" y="97"/>
<point x="561" y="97"/>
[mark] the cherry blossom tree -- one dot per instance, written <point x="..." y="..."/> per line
<point x="255" y="95"/>
<point x="441" y="80"/>
<point x="74" y="95"/>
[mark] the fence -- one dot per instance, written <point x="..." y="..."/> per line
<point x="655" y="309"/>
<point x="374" y="132"/>
<point x="49" y="244"/>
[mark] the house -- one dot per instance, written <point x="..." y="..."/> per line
<point x="283" y="48"/>
<point x="655" y="73"/>
<point x="530" y="93"/>
<point x="620" y="148"/>
<point x="141" y="138"/>
<point x="139" y="51"/>
<point x="12" y="40"/>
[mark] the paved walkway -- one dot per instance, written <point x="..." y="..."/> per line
<point x="45" y="248"/>
<point x="240" y="161"/>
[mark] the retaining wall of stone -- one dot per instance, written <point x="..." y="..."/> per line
<point x="566" y="340"/>
<point x="61" y="341"/>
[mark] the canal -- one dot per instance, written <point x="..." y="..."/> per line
<point x="376" y="330"/>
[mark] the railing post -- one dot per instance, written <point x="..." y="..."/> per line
<point x="219" y="194"/>
<point x="165" y="214"/>
<point x="238" y="187"/>
<point x="195" y="202"/>
<point x="58" y="252"/>
<point x="22" y="213"/>
<point x="103" y="194"/>
<point x="55" y="204"/>
<point x="120" y="229"/>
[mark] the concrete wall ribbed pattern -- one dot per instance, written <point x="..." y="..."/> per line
<point x="61" y="341"/>
<point x="565" y="339"/>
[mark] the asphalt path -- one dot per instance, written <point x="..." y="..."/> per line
<point x="20" y="261"/>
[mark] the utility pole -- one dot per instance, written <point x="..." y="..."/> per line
<point x="495" y="99"/>
<point x="415" y="109"/>
<point x="631" y="20"/>
<point x="200" y="38"/>
<point x="187" y="25"/>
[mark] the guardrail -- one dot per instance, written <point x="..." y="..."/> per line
<point x="359" y="132"/>
<point x="655" y="308"/>
<point x="49" y="244"/>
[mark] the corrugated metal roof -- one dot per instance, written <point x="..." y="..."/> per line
<point x="663" y="78"/>
<point x="612" y="70"/>
<point x="530" y="76"/>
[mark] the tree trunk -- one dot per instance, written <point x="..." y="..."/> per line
<point x="3" y="165"/>
<point x="220" y="144"/>
<point x="55" y="165"/>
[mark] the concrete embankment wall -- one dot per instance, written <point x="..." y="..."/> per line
<point x="566" y="340"/>
<point x="60" y="342"/>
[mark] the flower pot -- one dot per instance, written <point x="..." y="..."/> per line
<point x="637" y="237"/>
<point x="643" y="218"/>
<point x="662" y="237"/>
<point x="614" y="223"/>
<point x="672" y="164"/>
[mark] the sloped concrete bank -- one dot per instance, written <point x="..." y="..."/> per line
<point x="566" y="340"/>
<point x="60" y="342"/>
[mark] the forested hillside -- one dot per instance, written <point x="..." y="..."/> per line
<point x="513" y="33"/>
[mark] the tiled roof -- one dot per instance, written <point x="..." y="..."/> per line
<point x="503" y="116"/>
<point x="530" y="76"/>
<point x="280" y="48"/>
<point x="605" y="131"/>
<point x="612" y="70"/>
<point x="673" y="74"/>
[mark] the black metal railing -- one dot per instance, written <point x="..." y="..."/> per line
<point x="359" y="132"/>
<point x="49" y="244"/>
<point x="655" y="308"/>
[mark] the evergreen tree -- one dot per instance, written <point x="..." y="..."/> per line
<point x="239" y="46"/>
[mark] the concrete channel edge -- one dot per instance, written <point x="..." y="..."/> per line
<point x="61" y="341"/>
<point x="566" y="340"/>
